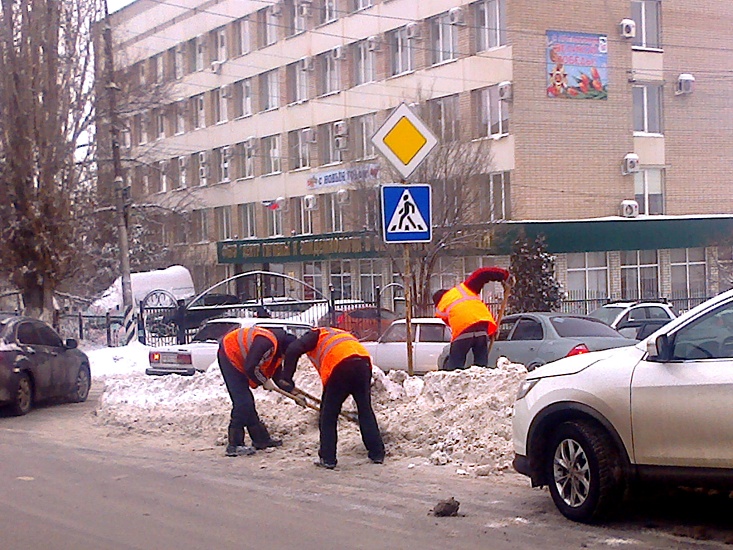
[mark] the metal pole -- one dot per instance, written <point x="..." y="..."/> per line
<point x="119" y="187"/>
<point x="408" y="307"/>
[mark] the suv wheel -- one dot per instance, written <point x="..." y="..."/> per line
<point x="582" y="468"/>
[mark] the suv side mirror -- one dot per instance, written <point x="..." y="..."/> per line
<point x="71" y="343"/>
<point x="659" y="349"/>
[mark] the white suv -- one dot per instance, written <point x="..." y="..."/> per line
<point x="592" y="425"/>
<point x="635" y="319"/>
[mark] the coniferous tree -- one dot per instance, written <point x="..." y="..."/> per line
<point x="536" y="288"/>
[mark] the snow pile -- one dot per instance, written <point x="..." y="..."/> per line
<point x="462" y="418"/>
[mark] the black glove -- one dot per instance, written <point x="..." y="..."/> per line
<point x="285" y="385"/>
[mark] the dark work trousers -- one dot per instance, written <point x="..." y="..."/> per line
<point x="243" y="402"/>
<point x="459" y="348"/>
<point x="353" y="376"/>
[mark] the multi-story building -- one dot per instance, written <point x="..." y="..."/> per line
<point x="609" y="125"/>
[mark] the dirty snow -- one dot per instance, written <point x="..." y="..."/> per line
<point x="460" y="419"/>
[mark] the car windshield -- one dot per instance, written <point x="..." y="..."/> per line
<point x="571" y="327"/>
<point x="607" y="314"/>
<point x="211" y="332"/>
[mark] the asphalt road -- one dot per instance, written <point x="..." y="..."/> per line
<point x="68" y="483"/>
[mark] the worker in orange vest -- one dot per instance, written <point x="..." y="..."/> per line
<point x="249" y="358"/>
<point x="470" y="321"/>
<point x="345" y="368"/>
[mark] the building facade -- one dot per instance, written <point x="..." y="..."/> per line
<point x="608" y="126"/>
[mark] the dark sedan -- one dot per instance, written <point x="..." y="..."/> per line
<point x="534" y="339"/>
<point x="36" y="365"/>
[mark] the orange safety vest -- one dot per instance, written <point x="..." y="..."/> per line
<point x="462" y="308"/>
<point x="237" y="344"/>
<point x="334" y="345"/>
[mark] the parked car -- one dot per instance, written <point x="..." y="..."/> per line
<point x="318" y="315"/>
<point x="196" y="356"/>
<point x="534" y="339"/>
<point x="635" y="319"/>
<point x="36" y="365"/>
<point x="591" y="426"/>
<point x="429" y="337"/>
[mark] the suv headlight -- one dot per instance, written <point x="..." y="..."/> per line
<point x="525" y="388"/>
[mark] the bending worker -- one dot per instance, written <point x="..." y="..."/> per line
<point x="248" y="358"/>
<point x="470" y="321"/>
<point x="345" y="369"/>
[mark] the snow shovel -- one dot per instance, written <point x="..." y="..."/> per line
<point x="300" y="400"/>
<point x="351" y="415"/>
<point x="508" y="284"/>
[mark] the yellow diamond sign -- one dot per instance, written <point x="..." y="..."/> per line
<point x="404" y="140"/>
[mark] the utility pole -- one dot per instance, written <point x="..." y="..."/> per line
<point x="121" y="193"/>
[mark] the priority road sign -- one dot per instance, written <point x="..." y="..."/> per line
<point x="404" y="140"/>
<point x="406" y="213"/>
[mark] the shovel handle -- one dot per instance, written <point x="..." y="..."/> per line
<point x="348" y="415"/>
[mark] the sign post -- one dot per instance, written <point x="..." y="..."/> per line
<point x="406" y="141"/>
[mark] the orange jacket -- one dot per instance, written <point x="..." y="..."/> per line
<point x="237" y="344"/>
<point x="334" y="345"/>
<point x="461" y="308"/>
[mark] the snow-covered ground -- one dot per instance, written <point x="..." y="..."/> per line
<point x="460" y="418"/>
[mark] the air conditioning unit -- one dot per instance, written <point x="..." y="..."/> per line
<point x="343" y="197"/>
<point x="282" y="204"/>
<point x="629" y="209"/>
<point x="304" y="9"/>
<point x="306" y="64"/>
<point x="216" y="66"/>
<point x="342" y="143"/>
<point x="309" y="135"/>
<point x="412" y="30"/>
<point x="627" y="28"/>
<point x="685" y="84"/>
<point x="456" y="16"/>
<point x="373" y="44"/>
<point x="340" y="128"/>
<point x="226" y="91"/>
<point x="505" y="90"/>
<point x="276" y="9"/>
<point x="339" y="52"/>
<point x="630" y="164"/>
<point x="250" y="143"/>
<point x="310" y="202"/>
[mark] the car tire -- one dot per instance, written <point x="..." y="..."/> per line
<point x="82" y="385"/>
<point x="23" y="395"/>
<point x="582" y="468"/>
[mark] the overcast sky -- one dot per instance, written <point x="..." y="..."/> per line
<point x="114" y="5"/>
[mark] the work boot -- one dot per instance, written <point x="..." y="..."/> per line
<point x="320" y="463"/>
<point x="261" y="437"/>
<point x="235" y="444"/>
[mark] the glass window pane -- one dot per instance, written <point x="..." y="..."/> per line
<point x="596" y="259"/>
<point x="647" y="257"/>
<point x="678" y="255"/>
<point x="576" y="261"/>
<point x="598" y="282"/>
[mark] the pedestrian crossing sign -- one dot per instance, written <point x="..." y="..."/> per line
<point x="406" y="213"/>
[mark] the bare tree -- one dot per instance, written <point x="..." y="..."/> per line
<point x="46" y="112"/>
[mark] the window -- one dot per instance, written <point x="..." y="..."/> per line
<point x="490" y="24"/>
<point x="220" y="40"/>
<point x="248" y="159"/>
<point x="248" y="220"/>
<point x="180" y="115"/>
<point x="221" y="104"/>
<point x="271" y="24"/>
<point x="402" y="51"/>
<point x="649" y="191"/>
<point x="223" y="217"/>
<point x="223" y="156"/>
<point x="327" y="149"/>
<point x="199" y="111"/>
<point x="271" y="152"/>
<point x="182" y="172"/>
<point x="370" y="277"/>
<point x="179" y="61"/>
<point x="297" y="79"/>
<point x="242" y="99"/>
<point x="162" y="176"/>
<point x="270" y="90"/>
<point x="493" y="113"/>
<point x="313" y="276"/>
<point x="143" y="123"/>
<point x="297" y="11"/>
<point x="330" y="73"/>
<point x="364" y="130"/>
<point x="299" y="148"/>
<point x="587" y="276"/>
<point x="334" y="213"/>
<point x="242" y="36"/>
<point x="444" y="39"/>
<point x="141" y="74"/>
<point x="341" y="279"/>
<point x="304" y="218"/>
<point x="444" y="117"/>
<point x="328" y="11"/>
<point x="500" y="197"/>
<point x="159" y="64"/>
<point x="647" y="108"/>
<point x="363" y="62"/>
<point x="160" y="123"/>
<point x="639" y="274"/>
<point x="199" y="53"/>
<point x="688" y="273"/>
<point x="646" y="14"/>
<point x="357" y="5"/>
<point x="202" y="163"/>
<point x="274" y="222"/>
<point x="200" y="227"/>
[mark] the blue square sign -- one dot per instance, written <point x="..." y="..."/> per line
<point x="406" y="213"/>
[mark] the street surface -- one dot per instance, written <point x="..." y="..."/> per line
<point x="68" y="483"/>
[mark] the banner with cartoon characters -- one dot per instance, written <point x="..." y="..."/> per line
<point x="577" y="65"/>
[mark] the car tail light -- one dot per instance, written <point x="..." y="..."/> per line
<point x="184" y="359"/>
<point x="577" y="350"/>
<point x="154" y="357"/>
